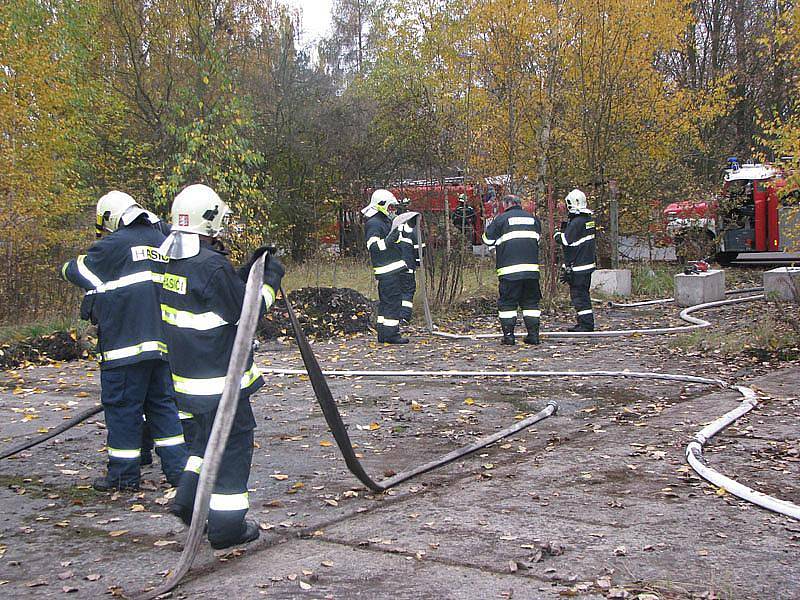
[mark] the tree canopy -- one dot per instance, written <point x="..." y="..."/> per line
<point x="654" y="95"/>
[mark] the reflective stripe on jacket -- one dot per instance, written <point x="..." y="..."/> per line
<point x="579" y="243"/>
<point x="122" y="274"/>
<point x="384" y="248"/>
<point x="515" y="234"/>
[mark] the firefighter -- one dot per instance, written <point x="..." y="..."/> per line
<point x="515" y="235"/>
<point x="201" y="302"/>
<point x="409" y="246"/>
<point x="578" y="242"/>
<point x="463" y="217"/>
<point x="383" y="243"/>
<point x="121" y="274"/>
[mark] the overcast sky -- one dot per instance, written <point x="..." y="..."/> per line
<point x="316" y="18"/>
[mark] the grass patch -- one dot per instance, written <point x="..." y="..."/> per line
<point x="769" y="336"/>
<point x="653" y="280"/>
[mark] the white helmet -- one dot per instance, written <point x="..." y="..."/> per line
<point x="576" y="202"/>
<point x="112" y="207"/>
<point x="198" y="209"/>
<point x="380" y="200"/>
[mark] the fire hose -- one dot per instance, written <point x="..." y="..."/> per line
<point x="695" y="323"/>
<point x="612" y="304"/>
<point x="68" y="424"/>
<point x="685" y="315"/>
<point x="694" y="456"/>
<point x="227" y="408"/>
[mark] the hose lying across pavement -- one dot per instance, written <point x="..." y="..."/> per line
<point x="612" y="304"/>
<point x="694" y="451"/>
<point x="695" y="323"/>
<point x="68" y="424"/>
<point x="694" y="456"/>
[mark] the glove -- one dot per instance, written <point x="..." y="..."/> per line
<point x="565" y="274"/>
<point x="87" y="309"/>
<point x="244" y="270"/>
<point x="273" y="273"/>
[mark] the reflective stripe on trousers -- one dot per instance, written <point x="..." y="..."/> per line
<point x="126" y="454"/>
<point x="169" y="441"/>
<point x="226" y="502"/>
<point x="193" y="464"/>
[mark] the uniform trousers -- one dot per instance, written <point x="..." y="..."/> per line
<point x="127" y="393"/>
<point x="229" y="499"/>
<point x="523" y="293"/>
<point x="408" y="283"/>
<point x="580" y="299"/>
<point x="390" y="298"/>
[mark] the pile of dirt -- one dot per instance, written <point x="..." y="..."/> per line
<point x="58" y="346"/>
<point x="323" y="313"/>
<point x="477" y="306"/>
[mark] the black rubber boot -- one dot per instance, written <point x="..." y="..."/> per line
<point x="182" y="512"/>
<point x="251" y="533"/>
<point x="582" y="327"/>
<point x="396" y="339"/>
<point x="508" y="335"/>
<point x="533" y="334"/>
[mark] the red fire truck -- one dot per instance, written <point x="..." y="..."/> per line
<point x="430" y="198"/>
<point x="754" y="220"/>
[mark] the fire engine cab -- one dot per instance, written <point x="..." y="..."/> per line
<point x="755" y="220"/>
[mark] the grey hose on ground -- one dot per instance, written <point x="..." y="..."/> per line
<point x="695" y="324"/>
<point x="694" y="456"/>
<point x="612" y="304"/>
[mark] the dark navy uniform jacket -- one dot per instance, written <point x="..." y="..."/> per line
<point x="579" y="244"/>
<point x="515" y="234"/>
<point x="385" y="251"/>
<point x="201" y="301"/>
<point x="122" y="273"/>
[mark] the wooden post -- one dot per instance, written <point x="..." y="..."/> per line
<point x="551" y="228"/>
<point x="614" y="223"/>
